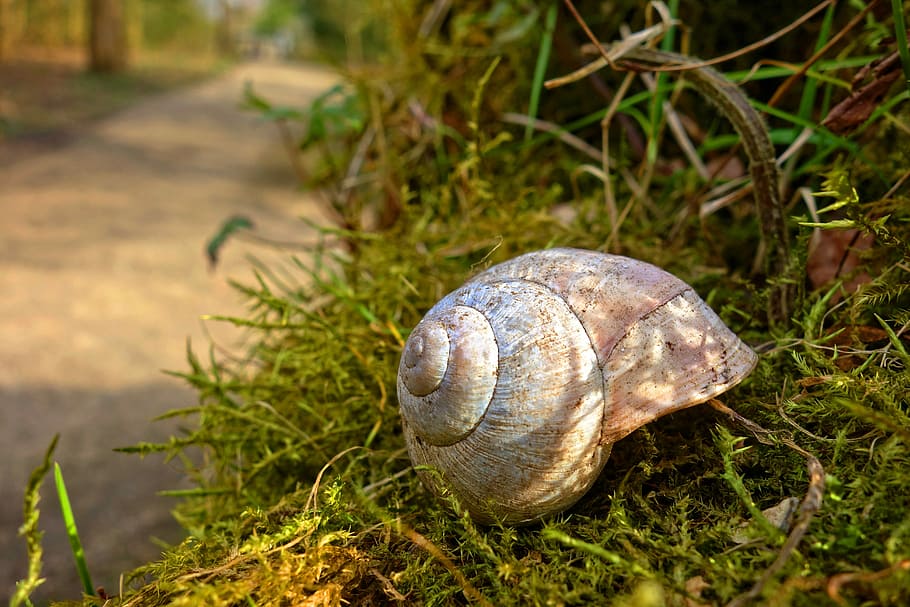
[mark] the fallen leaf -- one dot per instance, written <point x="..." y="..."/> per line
<point x="853" y="111"/>
<point x="834" y="254"/>
<point x="781" y="516"/>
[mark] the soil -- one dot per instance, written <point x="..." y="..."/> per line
<point x="103" y="279"/>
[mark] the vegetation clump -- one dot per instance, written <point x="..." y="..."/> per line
<point x="453" y="156"/>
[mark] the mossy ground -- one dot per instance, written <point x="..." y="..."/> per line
<point x="305" y="492"/>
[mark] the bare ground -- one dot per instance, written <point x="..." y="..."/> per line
<point x="103" y="279"/>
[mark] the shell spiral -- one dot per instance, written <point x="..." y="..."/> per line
<point x="515" y="385"/>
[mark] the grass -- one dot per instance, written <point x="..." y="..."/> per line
<point x="32" y="534"/>
<point x="304" y="493"/>
<point x="30" y="531"/>
<point x="900" y="35"/>
<point x="72" y="532"/>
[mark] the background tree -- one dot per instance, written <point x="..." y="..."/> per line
<point x="107" y="36"/>
<point x="4" y="33"/>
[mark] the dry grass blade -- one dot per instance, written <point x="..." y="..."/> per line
<point x="313" y="500"/>
<point x="616" y="50"/>
<point x="789" y="82"/>
<point x="808" y="507"/>
<point x="836" y="582"/>
<point x="420" y="541"/>
<point x="549" y="127"/>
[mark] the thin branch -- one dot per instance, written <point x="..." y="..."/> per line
<point x="785" y="86"/>
<point x="809" y="506"/>
<point x="558" y="131"/>
<point x="420" y="541"/>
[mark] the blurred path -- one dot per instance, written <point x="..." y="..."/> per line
<point x="102" y="279"/>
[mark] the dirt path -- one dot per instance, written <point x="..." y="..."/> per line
<point x="102" y="279"/>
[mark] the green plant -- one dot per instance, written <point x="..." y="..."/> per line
<point x="72" y="533"/>
<point x="30" y="531"/>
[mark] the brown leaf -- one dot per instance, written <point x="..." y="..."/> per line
<point x="835" y="253"/>
<point x="853" y="111"/>
<point x="856" y="337"/>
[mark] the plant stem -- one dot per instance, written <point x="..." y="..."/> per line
<point x="543" y="58"/>
<point x="30" y="531"/>
<point x="734" y="105"/>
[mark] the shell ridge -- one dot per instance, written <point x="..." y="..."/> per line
<point x="632" y="322"/>
<point x="496" y="372"/>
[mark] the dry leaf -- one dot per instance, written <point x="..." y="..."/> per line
<point x="853" y="111"/>
<point x="835" y="253"/>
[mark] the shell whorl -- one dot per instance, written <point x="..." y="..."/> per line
<point x="448" y="371"/>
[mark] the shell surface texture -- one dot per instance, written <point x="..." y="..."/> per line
<point x="515" y="385"/>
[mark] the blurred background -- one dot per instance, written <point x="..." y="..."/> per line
<point x="124" y="144"/>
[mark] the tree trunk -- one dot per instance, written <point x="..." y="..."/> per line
<point x="107" y="36"/>
<point x="4" y="28"/>
<point x="224" y="30"/>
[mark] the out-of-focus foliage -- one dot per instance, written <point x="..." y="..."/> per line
<point x="173" y="24"/>
<point x="336" y="31"/>
<point x="277" y="15"/>
<point x="150" y="24"/>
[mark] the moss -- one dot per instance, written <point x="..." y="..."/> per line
<point x="306" y="496"/>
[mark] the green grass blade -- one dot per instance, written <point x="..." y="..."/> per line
<point x="71" y="531"/>
<point x="900" y="36"/>
<point x="810" y="90"/>
<point x="661" y="90"/>
<point x="540" y="70"/>
<point x="31" y="533"/>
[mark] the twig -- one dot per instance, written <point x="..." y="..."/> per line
<point x="682" y="138"/>
<point x="731" y="101"/>
<point x="785" y="86"/>
<point x="617" y="49"/>
<point x="694" y="64"/>
<point x="433" y="17"/>
<point x="554" y="129"/>
<point x="608" y="58"/>
<point x="835" y="582"/>
<point x="387" y="586"/>
<point x="420" y="541"/>
<point x="313" y="499"/>
<point x="603" y="53"/>
<point x="897" y="185"/>
<point x="809" y="506"/>
<point x="609" y="197"/>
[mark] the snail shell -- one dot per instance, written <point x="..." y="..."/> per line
<point x="516" y="385"/>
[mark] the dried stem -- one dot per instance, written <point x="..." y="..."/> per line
<point x="808" y="507"/>
<point x="734" y="105"/>
<point x="420" y="541"/>
<point x="857" y="19"/>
